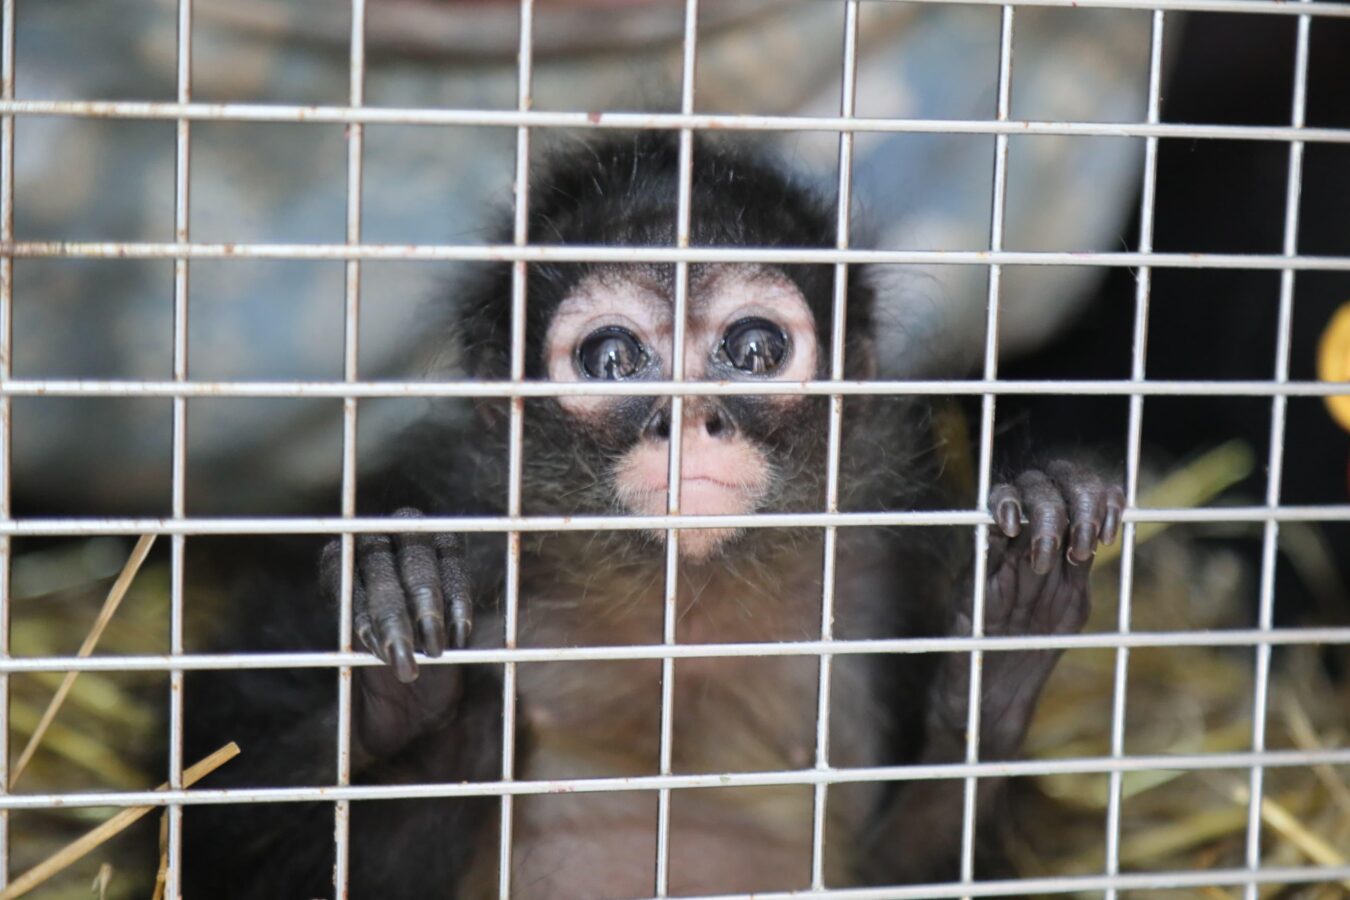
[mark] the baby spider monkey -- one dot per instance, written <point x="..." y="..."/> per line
<point x="435" y="594"/>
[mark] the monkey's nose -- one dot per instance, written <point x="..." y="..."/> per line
<point x="710" y="416"/>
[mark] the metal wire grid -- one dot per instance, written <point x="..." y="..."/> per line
<point x="682" y="221"/>
<point x="1275" y="467"/>
<point x="1144" y="281"/>
<point x="971" y="788"/>
<point x="847" y="104"/>
<point x="6" y="368"/>
<point x="350" y="354"/>
<point x="515" y="463"/>
<point x="351" y="389"/>
<point x="178" y="477"/>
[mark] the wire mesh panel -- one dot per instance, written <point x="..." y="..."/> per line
<point x="1084" y="752"/>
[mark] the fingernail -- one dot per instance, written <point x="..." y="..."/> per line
<point x="1109" y="527"/>
<point x="1008" y="518"/>
<point x="462" y="629"/>
<point x="367" y="638"/>
<point x="433" y="636"/>
<point x="1043" y="555"/>
<point x="401" y="657"/>
<point x="1084" y="537"/>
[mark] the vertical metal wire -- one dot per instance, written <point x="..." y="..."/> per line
<point x="520" y="236"/>
<point x="6" y="372"/>
<point x="968" y="825"/>
<point x="685" y="189"/>
<point x="1275" y="466"/>
<point x="351" y="346"/>
<point x="182" y="179"/>
<point x="847" y="107"/>
<point x="1138" y="353"/>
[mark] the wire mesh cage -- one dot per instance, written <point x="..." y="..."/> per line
<point x="1193" y="739"/>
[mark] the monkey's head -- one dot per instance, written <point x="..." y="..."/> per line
<point x="615" y="322"/>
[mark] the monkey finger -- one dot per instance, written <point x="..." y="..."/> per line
<point x="361" y="624"/>
<point x="1006" y="507"/>
<point x="418" y="568"/>
<point x="1085" y="494"/>
<point x="455" y="586"/>
<point x="1048" y="516"/>
<point x="330" y="583"/>
<point x="461" y="611"/>
<point x="386" y="605"/>
<point x="999" y="547"/>
<point x="1115" y="512"/>
<point x="330" y="569"/>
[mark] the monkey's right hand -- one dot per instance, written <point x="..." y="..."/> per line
<point x="405" y="588"/>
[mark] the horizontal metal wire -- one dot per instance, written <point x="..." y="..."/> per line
<point x="1065" y="884"/>
<point x="58" y="387"/>
<point x="928" y="772"/>
<point x="1326" y="635"/>
<point x="611" y="254"/>
<point x="55" y="527"/>
<point x="510" y="118"/>
<point x="1262" y="7"/>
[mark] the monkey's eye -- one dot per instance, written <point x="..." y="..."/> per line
<point x="755" y="345"/>
<point x="610" y="353"/>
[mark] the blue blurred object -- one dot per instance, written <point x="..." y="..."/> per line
<point x="103" y="179"/>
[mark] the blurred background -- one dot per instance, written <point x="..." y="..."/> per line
<point x="86" y="179"/>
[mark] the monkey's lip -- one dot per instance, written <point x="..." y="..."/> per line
<point x="700" y="495"/>
<point x="715" y="479"/>
<point x="708" y="479"/>
<point x="663" y="485"/>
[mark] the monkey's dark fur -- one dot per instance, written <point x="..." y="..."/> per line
<point x="597" y="719"/>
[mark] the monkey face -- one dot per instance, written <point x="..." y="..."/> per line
<point x="744" y="323"/>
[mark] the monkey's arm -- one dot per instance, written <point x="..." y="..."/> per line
<point x="286" y="720"/>
<point x="1037" y="583"/>
<point x="410" y="592"/>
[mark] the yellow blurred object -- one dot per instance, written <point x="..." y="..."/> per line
<point x="1333" y="362"/>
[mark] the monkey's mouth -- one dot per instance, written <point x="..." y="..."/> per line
<point x="722" y="478"/>
<point x="700" y="495"/>
<point x="704" y="480"/>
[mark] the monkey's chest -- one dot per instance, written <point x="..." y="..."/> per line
<point x="728" y="715"/>
<point x="598" y="720"/>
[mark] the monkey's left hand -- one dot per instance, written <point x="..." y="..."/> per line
<point x="1037" y="583"/>
<point x="405" y="584"/>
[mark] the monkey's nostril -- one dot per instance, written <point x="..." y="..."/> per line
<point x="658" y="426"/>
<point x="716" y="423"/>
